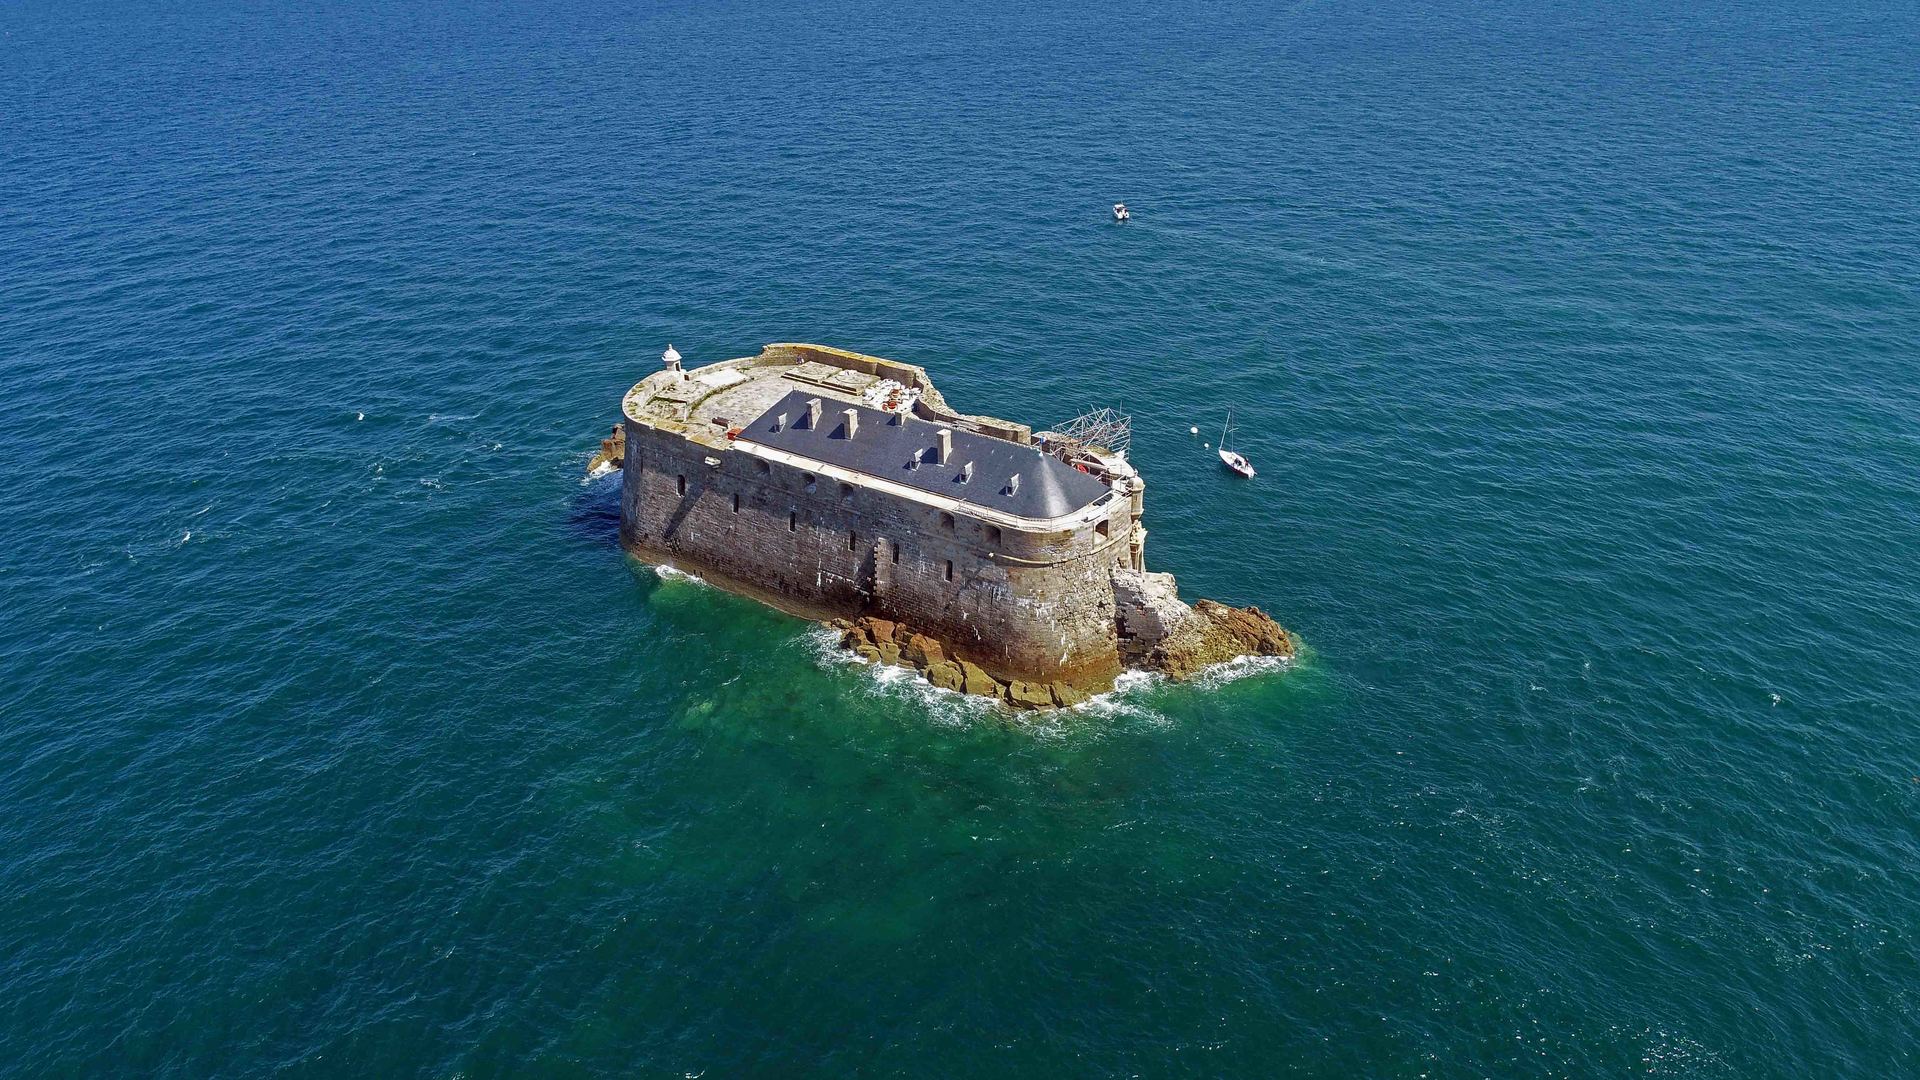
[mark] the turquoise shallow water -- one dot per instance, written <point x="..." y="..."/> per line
<point x="1576" y="343"/>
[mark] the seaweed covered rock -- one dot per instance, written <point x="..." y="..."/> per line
<point x="946" y="675"/>
<point x="1029" y="695"/>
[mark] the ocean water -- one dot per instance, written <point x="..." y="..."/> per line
<point x="1578" y="345"/>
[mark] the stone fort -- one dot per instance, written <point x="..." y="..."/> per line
<point x="835" y="485"/>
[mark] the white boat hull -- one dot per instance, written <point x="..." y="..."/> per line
<point x="1236" y="463"/>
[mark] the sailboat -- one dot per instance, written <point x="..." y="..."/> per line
<point x="1232" y="460"/>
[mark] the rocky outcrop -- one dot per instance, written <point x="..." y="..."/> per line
<point x="1154" y="630"/>
<point x="882" y="641"/>
<point x="1159" y="632"/>
<point x="611" y="455"/>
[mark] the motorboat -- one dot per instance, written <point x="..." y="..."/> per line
<point x="1120" y="212"/>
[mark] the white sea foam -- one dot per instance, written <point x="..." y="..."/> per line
<point x="1123" y="700"/>
<point x="899" y="683"/>
<point x="674" y="573"/>
<point x="1241" y="667"/>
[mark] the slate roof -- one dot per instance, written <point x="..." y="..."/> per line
<point x="1049" y="487"/>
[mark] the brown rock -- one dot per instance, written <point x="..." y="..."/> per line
<point x="613" y="450"/>
<point x="923" y="650"/>
<point x="868" y="653"/>
<point x="1065" y="696"/>
<point x="889" y="652"/>
<point x="879" y="629"/>
<point x="1022" y="694"/>
<point x="946" y="675"/>
<point x="975" y="680"/>
<point x="1256" y="633"/>
<point x="854" y="637"/>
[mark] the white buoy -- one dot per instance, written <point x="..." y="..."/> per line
<point x="1193" y="431"/>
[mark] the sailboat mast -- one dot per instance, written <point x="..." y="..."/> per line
<point x="1226" y="427"/>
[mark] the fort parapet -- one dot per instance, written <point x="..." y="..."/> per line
<point x="839" y="486"/>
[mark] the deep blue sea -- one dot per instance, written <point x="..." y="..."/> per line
<point x="1578" y="345"/>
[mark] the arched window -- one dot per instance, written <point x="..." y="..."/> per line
<point x="1100" y="530"/>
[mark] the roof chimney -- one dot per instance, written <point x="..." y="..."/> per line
<point x="1013" y="484"/>
<point x="780" y="422"/>
<point x="945" y="450"/>
<point x="898" y="419"/>
<point x="966" y="472"/>
<point x="813" y="413"/>
<point x="853" y="422"/>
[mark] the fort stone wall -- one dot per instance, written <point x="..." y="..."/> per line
<point x="1022" y="603"/>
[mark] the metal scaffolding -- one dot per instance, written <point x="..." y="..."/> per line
<point x="1097" y="429"/>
